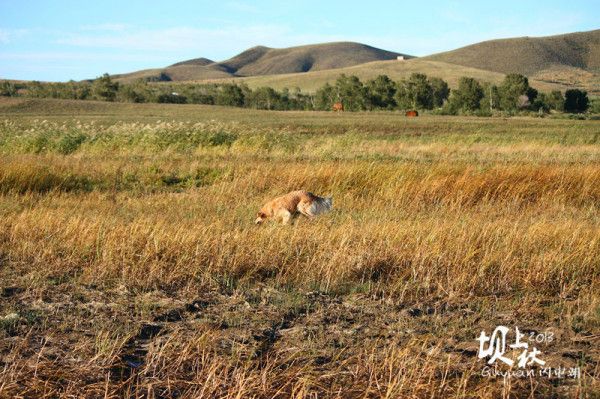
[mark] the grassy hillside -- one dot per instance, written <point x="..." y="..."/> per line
<point x="570" y="77"/>
<point x="262" y="60"/>
<point x="562" y="56"/>
<point x="265" y="61"/>
<point x="184" y="71"/>
<point x="245" y="58"/>
<point x="396" y="70"/>
<point x="553" y="62"/>
<point x="131" y="266"/>
<point x="196" y="61"/>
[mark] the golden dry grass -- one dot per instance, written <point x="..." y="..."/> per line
<point x="134" y="269"/>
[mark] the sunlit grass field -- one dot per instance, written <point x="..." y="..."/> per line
<point x="130" y="266"/>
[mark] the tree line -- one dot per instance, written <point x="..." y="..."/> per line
<point x="418" y="92"/>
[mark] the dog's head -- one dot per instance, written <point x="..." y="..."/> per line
<point x="260" y="217"/>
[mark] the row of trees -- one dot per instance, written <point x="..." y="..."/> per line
<point x="471" y="96"/>
<point x="106" y="89"/>
<point x="415" y="92"/>
<point x="418" y="92"/>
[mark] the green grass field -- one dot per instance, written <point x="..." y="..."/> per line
<point x="130" y="265"/>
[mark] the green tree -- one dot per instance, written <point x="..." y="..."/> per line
<point x="284" y="99"/>
<point x="172" y="98"/>
<point x="35" y="89"/>
<point x="491" y="97"/>
<point x="512" y="89"/>
<point x="402" y="97"/>
<point x="7" y="89"/>
<point x="201" y="94"/>
<point x="381" y="91"/>
<point x="325" y="97"/>
<point x="104" y="88"/>
<point x="594" y="106"/>
<point x="136" y="92"/>
<point x="299" y="100"/>
<point x="556" y="101"/>
<point x="468" y="96"/>
<point x="78" y="90"/>
<point x="576" y="100"/>
<point x="439" y="90"/>
<point x="231" y="95"/>
<point x="541" y="103"/>
<point x="351" y="92"/>
<point x="415" y="92"/>
<point x="264" y="98"/>
<point x="420" y="91"/>
<point x="246" y="92"/>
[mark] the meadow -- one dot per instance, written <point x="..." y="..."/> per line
<point x="130" y="265"/>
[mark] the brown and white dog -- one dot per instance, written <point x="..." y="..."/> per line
<point x="289" y="205"/>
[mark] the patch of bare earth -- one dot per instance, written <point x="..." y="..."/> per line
<point x="77" y="341"/>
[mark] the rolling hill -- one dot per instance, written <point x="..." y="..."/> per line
<point x="266" y="61"/>
<point x="571" y="59"/>
<point x="181" y="72"/>
<point x="396" y="70"/>
<point x="529" y="55"/>
<point x="196" y="61"/>
<point x="552" y="62"/>
<point x="261" y="60"/>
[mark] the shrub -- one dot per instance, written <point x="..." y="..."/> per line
<point x="104" y="88"/>
<point x="7" y="89"/>
<point x="172" y="98"/>
<point x="512" y="90"/>
<point x="467" y="97"/>
<point x="69" y="143"/>
<point x="576" y="101"/>
<point x="556" y="101"/>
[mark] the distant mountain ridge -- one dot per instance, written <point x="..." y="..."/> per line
<point x="560" y="61"/>
<point x="261" y="60"/>
<point x="316" y="57"/>
<point x="196" y="61"/>
<point x="529" y="55"/>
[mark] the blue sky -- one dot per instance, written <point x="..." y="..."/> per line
<point x="64" y="39"/>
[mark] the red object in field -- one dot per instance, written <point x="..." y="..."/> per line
<point x="338" y="107"/>
<point x="412" y="113"/>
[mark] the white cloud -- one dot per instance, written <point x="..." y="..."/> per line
<point x="222" y="43"/>
<point x="60" y="66"/>
<point x="66" y="56"/>
<point x="107" y="27"/>
<point x="4" y="37"/>
<point x="8" y="35"/>
<point x="178" y="42"/>
<point x="176" y="38"/>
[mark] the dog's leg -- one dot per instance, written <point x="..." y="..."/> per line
<point x="286" y="216"/>
<point x="304" y="208"/>
<point x="306" y="212"/>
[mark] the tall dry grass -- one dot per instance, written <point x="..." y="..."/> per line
<point x="435" y="228"/>
<point x="166" y="210"/>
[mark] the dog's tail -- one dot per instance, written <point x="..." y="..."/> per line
<point x="324" y="204"/>
<point x="317" y="206"/>
<point x="328" y="201"/>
